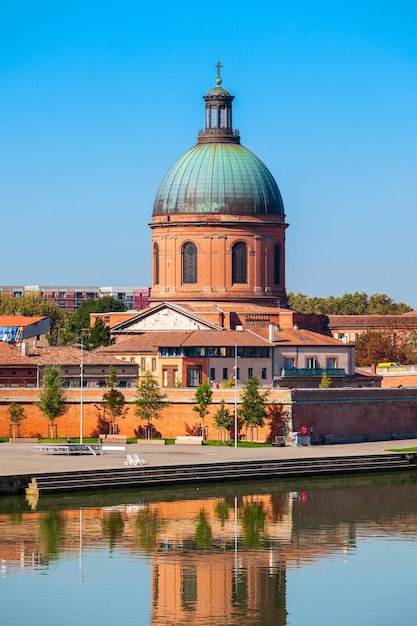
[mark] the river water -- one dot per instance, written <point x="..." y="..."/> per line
<point x="317" y="552"/>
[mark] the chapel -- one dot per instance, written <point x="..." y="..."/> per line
<point x="218" y="222"/>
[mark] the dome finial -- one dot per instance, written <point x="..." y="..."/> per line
<point x="219" y="78"/>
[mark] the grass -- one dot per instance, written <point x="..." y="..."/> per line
<point x="402" y="450"/>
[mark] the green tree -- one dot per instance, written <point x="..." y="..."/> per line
<point x="149" y="400"/>
<point x="222" y="417"/>
<point x="52" y="401"/>
<point x="113" y="402"/>
<point x="80" y="320"/>
<point x="16" y="414"/>
<point x="358" y="303"/>
<point x="375" y="347"/>
<point x="254" y="404"/>
<point x="203" y="398"/>
<point x="98" y="335"/>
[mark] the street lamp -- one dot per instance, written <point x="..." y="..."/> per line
<point x="81" y="389"/>
<point x="235" y="377"/>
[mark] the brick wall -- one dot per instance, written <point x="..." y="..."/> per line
<point x="344" y="413"/>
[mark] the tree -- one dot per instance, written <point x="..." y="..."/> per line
<point x="80" y="320"/>
<point x="375" y="347"/>
<point x="113" y="402"/>
<point x="16" y="414"/>
<point x="99" y="335"/>
<point x="222" y="417"/>
<point x="326" y="381"/>
<point x="358" y="303"/>
<point x="150" y="401"/>
<point x="52" y="401"/>
<point x="253" y="406"/>
<point x="203" y="397"/>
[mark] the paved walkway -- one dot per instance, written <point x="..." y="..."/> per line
<point x="20" y="458"/>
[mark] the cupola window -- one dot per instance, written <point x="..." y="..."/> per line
<point x="239" y="263"/>
<point x="189" y="263"/>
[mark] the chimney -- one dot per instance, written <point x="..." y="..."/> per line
<point x="24" y="348"/>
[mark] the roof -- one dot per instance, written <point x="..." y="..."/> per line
<point x="152" y="340"/>
<point x="152" y="310"/>
<point x="304" y="337"/>
<point x="217" y="177"/>
<point x="20" y="320"/>
<point x="11" y="355"/>
<point x="367" y="322"/>
<point x="70" y="355"/>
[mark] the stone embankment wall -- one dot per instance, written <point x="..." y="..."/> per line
<point x="342" y="413"/>
<point x="356" y="413"/>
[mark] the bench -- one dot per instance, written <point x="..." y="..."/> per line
<point x="189" y="439"/>
<point x="105" y="438"/>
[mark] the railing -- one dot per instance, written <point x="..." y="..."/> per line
<point x="317" y="371"/>
<point x="398" y="370"/>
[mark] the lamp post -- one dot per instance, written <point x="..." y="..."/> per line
<point x="81" y="389"/>
<point x="235" y="377"/>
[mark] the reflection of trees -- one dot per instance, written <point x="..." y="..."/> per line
<point x="203" y="531"/>
<point x="148" y="526"/>
<point x="51" y="526"/>
<point x="222" y="512"/>
<point x="113" y="526"/>
<point x="253" y="523"/>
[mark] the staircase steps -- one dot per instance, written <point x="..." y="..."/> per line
<point x="146" y="476"/>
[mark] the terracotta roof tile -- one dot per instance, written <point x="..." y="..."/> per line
<point x="19" y="320"/>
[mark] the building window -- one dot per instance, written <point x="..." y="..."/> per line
<point x="239" y="263"/>
<point x="331" y="363"/>
<point x="277" y="265"/>
<point x="156" y="263"/>
<point x="143" y="363"/>
<point x="225" y="373"/>
<point x="250" y="372"/>
<point x="164" y="377"/>
<point x="212" y="373"/>
<point x="189" y="264"/>
<point x="311" y="363"/>
<point x="194" y="375"/>
<point x="289" y="363"/>
<point x="153" y="364"/>
<point x="264" y="373"/>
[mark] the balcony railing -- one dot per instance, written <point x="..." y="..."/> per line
<point x="317" y="371"/>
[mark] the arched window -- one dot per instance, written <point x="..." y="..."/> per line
<point x="277" y="265"/>
<point x="189" y="263"/>
<point x="239" y="263"/>
<point x="156" y="263"/>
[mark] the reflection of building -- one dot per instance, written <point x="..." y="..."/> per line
<point x="209" y="566"/>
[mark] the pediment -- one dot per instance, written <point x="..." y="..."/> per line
<point x="163" y="318"/>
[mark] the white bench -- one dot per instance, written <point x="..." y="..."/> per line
<point x="189" y="439"/>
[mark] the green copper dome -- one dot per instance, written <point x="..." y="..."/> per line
<point x="218" y="175"/>
<point x="218" y="178"/>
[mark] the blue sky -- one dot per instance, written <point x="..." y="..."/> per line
<point x="97" y="99"/>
